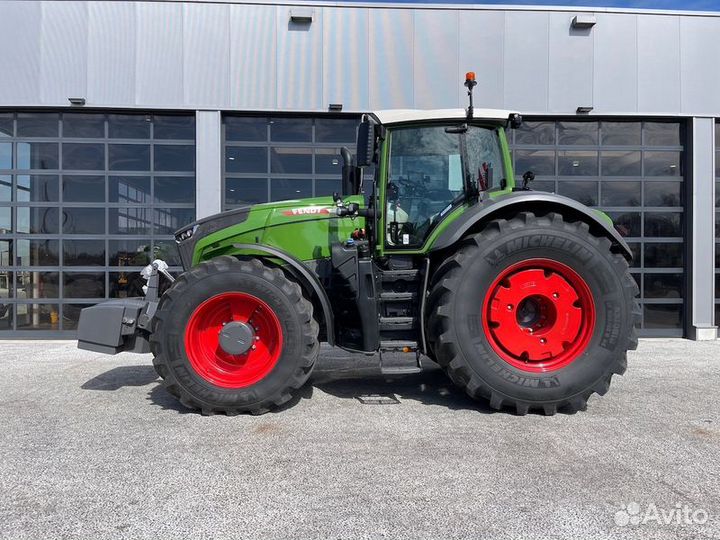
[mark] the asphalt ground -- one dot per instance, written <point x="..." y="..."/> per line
<point x="93" y="447"/>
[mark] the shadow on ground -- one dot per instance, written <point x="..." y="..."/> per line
<point x="122" y="376"/>
<point x="340" y="377"/>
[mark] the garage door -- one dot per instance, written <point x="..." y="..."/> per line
<point x="632" y="170"/>
<point x="86" y="200"/>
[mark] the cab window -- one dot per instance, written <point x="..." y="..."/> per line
<point x="429" y="170"/>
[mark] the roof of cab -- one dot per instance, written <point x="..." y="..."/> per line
<point x="398" y="116"/>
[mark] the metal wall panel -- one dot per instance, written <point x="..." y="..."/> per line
<point x="570" y="69"/>
<point x="391" y="59"/>
<point x="702" y="213"/>
<point x="249" y="57"/>
<point x="159" y="69"/>
<point x="299" y="61"/>
<point x="20" y="57"/>
<point x="526" y="49"/>
<point x="435" y="50"/>
<point x="615" y="72"/>
<point x="659" y="64"/>
<point x="63" y="60"/>
<point x="481" y="50"/>
<point x="206" y="55"/>
<point x="208" y="171"/>
<point x="253" y="57"/>
<point x="346" y="51"/>
<point x="111" y="53"/>
<point x="700" y="79"/>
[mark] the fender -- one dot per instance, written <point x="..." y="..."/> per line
<point x="309" y="279"/>
<point x="519" y="201"/>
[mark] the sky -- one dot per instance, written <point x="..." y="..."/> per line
<point x="688" y="5"/>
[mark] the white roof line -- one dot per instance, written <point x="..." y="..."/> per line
<point x="464" y="7"/>
<point x="397" y="116"/>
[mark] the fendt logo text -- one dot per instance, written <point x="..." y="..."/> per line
<point x="307" y="210"/>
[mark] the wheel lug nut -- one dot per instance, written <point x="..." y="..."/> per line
<point x="556" y="295"/>
<point x="257" y="338"/>
<point x="253" y="348"/>
<point x="543" y="340"/>
<point x="509" y="306"/>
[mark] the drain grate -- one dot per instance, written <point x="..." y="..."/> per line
<point x="378" y="399"/>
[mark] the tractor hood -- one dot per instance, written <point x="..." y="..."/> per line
<point x="301" y="227"/>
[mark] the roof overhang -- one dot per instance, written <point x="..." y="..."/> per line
<point x="401" y="116"/>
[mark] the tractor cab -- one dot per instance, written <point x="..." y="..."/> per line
<point x="426" y="164"/>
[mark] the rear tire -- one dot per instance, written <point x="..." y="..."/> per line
<point x="193" y="366"/>
<point x="549" y="355"/>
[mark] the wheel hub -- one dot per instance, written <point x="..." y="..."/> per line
<point x="236" y="337"/>
<point x="233" y="340"/>
<point x="539" y="315"/>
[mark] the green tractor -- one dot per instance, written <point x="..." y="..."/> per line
<point x="523" y="298"/>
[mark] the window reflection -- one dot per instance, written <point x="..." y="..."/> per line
<point x="620" y="163"/>
<point x="291" y="129"/>
<point x="288" y="189"/>
<point x="83" y="188"/>
<point x="129" y="189"/>
<point x="578" y="163"/>
<point x="541" y="162"/>
<point x="174" y="189"/>
<point x="36" y="284"/>
<point x="621" y="193"/>
<point x="83" y="220"/>
<point x="37" y="124"/>
<point x="130" y="220"/>
<point x="129" y="252"/>
<point x="84" y="284"/>
<point x="84" y="252"/>
<point x="246" y="159"/>
<point x="5" y="156"/>
<point x="583" y="192"/>
<point x="37" y="155"/>
<point x="174" y="157"/>
<point x="169" y="220"/>
<point x="535" y="133"/>
<point x="37" y="252"/>
<point x="621" y="133"/>
<point x="291" y="160"/>
<point x="126" y="284"/>
<point x="36" y="220"/>
<point x="38" y="316"/>
<point x="83" y="156"/>
<point x="129" y="126"/>
<point x="5" y="187"/>
<point x="37" y="188"/>
<point x="246" y="190"/>
<point x="577" y="133"/>
<point x="129" y="157"/>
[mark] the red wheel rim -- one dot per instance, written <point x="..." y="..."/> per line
<point x="539" y="315"/>
<point x="202" y="343"/>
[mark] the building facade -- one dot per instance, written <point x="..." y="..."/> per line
<point x="122" y="121"/>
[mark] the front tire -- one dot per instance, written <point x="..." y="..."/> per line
<point x="533" y="313"/>
<point x="272" y="321"/>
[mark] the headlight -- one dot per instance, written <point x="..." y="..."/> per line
<point x="186" y="234"/>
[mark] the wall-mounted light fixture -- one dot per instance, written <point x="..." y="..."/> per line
<point x="335" y="107"/>
<point x="77" y="101"/>
<point x="583" y="110"/>
<point x="302" y="15"/>
<point x="583" y="22"/>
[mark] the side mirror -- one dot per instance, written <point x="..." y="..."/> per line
<point x="515" y="120"/>
<point x="528" y="177"/>
<point x="365" y="144"/>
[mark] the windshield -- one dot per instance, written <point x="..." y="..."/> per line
<point x="430" y="169"/>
